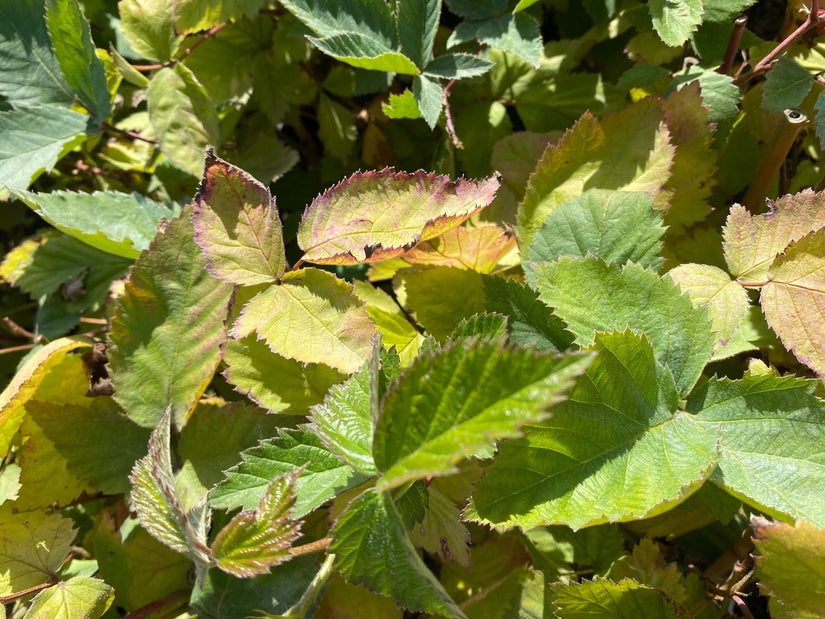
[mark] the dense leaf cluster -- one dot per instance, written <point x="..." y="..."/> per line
<point x="382" y="309"/>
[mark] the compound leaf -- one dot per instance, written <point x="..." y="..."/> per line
<point x="374" y="216"/>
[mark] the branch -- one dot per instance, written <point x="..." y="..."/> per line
<point x="733" y="44"/>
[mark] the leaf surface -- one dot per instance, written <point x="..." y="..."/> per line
<point x="183" y="116"/>
<point x="373" y="216"/>
<point x="622" y="600"/>
<point x="80" y="596"/>
<point x="313" y="317"/>
<point x="675" y="21"/>
<point x="617" y="449"/>
<point x="450" y="404"/>
<point x="257" y="539"/>
<point x="726" y="300"/>
<point x="75" y="51"/>
<point x="752" y="242"/>
<point x="322" y="475"/>
<point x="114" y="222"/>
<point x="591" y="296"/>
<point x="237" y="225"/>
<point x="480" y="249"/>
<point x="767" y="422"/>
<point x="371" y="548"/>
<point x="33" y="546"/>
<point x="390" y="320"/>
<point x="786" y="85"/>
<point x="417" y="26"/>
<point x="149" y="27"/>
<point x="167" y="327"/>
<point x="794" y="299"/>
<point x="611" y="225"/>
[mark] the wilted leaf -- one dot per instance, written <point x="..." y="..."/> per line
<point x="373" y="216"/>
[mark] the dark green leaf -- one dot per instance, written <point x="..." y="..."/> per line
<point x="787" y="84"/>
<point x="417" y="25"/>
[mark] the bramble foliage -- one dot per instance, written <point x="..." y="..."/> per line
<point x="382" y="309"/>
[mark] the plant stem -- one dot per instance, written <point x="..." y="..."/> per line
<point x="765" y="64"/>
<point x="5" y="599"/>
<point x="16" y="328"/>
<point x="768" y="170"/>
<point x="733" y="44"/>
<point x="311" y="547"/>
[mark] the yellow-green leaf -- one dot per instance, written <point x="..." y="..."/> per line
<point x="390" y="320"/>
<point x="312" y="317"/>
<point x="80" y="596"/>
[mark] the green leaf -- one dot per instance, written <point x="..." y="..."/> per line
<point x="33" y="546"/>
<point x="790" y="565"/>
<point x="440" y="297"/>
<point x="30" y="73"/>
<point x="719" y="92"/>
<point x="35" y="139"/>
<point x="619" y="600"/>
<point x="417" y="25"/>
<point x="402" y="106"/>
<point x="343" y="421"/>
<point x="787" y="84"/>
<point x="457" y="66"/>
<point x="197" y="15"/>
<point x="183" y="116"/>
<point x="483" y="249"/>
<point x="313" y="317"/>
<point x="75" y="51"/>
<point x="371" y="548"/>
<point x="767" y="422"/>
<point x="674" y="22"/>
<point x="615" y="226"/>
<point x="276" y="383"/>
<point x="475" y="9"/>
<point x="605" y="154"/>
<point x="721" y="10"/>
<point x="336" y="128"/>
<point x="726" y="300"/>
<point x="430" y="98"/>
<point x="390" y="320"/>
<point x="258" y="539"/>
<point x="80" y="596"/>
<point x="155" y="499"/>
<point x="792" y="299"/>
<point x="425" y="205"/>
<point x="441" y="532"/>
<point x="591" y="296"/>
<point x="203" y="460"/>
<point x="530" y="322"/>
<point x="487" y="326"/>
<point x="617" y="449"/>
<point x="166" y="328"/>
<point x="517" y="33"/>
<point x="322" y="476"/>
<point x="237" y="225"/>
<point x="361" y="51"/>
<point x="118" y="223"/>
<point x="105" y="452"/>
<point x="452" y="403"/>
<point x="149" y="27"/>
<point x="752" y="242"/>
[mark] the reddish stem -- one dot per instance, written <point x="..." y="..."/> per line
<point x="733" y="44"/>
<point x="5" y="599"/>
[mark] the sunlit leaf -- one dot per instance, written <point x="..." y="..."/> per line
<point x="312" y="317"/>
<point x="80" y="596"/>
<point x="257" y="539"/>
<point x="390" y="320"/>
<point x="675" y="21"/>
<point x="794" y="299"/>
<point x="350" y="223"/>
<point x="149" y="27"/>
<point x="237" y="225"/>
<point x="480" y="249"/>
<point x="620" y="600"/>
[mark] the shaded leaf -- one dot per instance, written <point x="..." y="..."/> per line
<point x="441" y="531"/>
<point x="719" y="92"/>
<point x="237" y="225"/>
<point x="447" y="405"/>
<point x="257" y="539"/>
<point x="114" y="222"/>
<point x="487" y="326"/>
<point x="617" y="449"/>
<point x="80" y="596"/>
<point x="196" y="15"/>
<point x="591" y="296"/>
<point x="322" y="474"/>
<point x="794" y="299"/>
<point x="313" y="317"/>
<point x="480" y="249"/>
<point x="621" y="600"/>
<point x="371" y="548"/>
<point x="752" y="242"/>
<point x="786" y="85"/>
<point x="183" y="116"/>
<point x="424" y="206"/>
<point x="390" y="320"/>
<point x="457" y="66"/>
<point x="274" y="382"/>
<point x="417" y="25"/>
<point x="33" y="546"/>
<point x="166" y="328"/>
